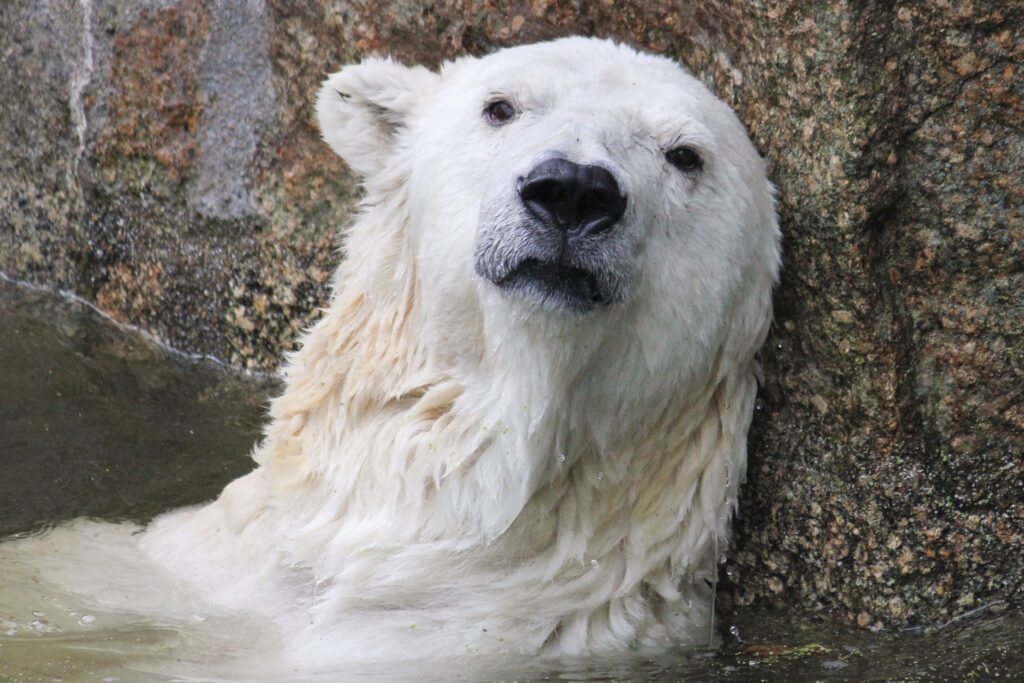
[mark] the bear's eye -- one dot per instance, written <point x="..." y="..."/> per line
<point x="685" y="159"/>
<point x="499" y="112"/>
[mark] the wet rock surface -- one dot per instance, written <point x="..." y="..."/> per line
<point x="159" y="158"/>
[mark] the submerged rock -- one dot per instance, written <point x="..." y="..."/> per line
<point x="159" y="158"/>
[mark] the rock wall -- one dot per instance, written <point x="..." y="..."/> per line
<point x="159" y="158"/>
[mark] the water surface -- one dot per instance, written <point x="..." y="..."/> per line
<point x="99" y="421"/>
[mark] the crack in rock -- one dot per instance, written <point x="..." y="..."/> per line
<point x="80" y="79"/>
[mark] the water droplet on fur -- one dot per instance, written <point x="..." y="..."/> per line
<point x="729" y="571"/>
<point x="758" y="405"/>
<point x="86" y="620"/>
<point x="778" y="345"/>
<point x="600" y="476"/>
<point x="561" y="457"/>
<point x="593" y="564"/>
<point x="723" y="558"/>
<point x="734" y="631"/>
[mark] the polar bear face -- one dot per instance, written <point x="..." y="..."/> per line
<point x="576" y="187"/>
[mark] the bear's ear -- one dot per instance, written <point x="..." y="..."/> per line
<point x="361" y="107"/>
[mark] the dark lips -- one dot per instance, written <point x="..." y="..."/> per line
<point x="574" y="288"/>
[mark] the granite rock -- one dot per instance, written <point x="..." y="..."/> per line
<point x="160" y="159"/>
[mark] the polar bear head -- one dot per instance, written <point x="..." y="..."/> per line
<point x="574" y="190"/>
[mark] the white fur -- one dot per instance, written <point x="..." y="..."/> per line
<point x="450" y="470"/>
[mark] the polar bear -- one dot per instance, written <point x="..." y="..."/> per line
<point x="519" y="426"/>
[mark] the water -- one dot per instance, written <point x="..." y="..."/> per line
<point x="116" y="427"/>
<point x="98" y="421"/>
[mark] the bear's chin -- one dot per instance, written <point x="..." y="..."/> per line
<point x="564" y="287"/>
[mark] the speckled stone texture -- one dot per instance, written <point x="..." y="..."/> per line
<point x="159" y="158"/>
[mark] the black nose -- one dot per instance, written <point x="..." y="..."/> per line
<point x="571" y="197"/>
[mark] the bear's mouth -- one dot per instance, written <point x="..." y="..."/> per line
<point x="573" y="288"/>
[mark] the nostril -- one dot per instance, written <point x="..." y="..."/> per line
<point x="594" y="201"/>
<point x="548" y="191"/>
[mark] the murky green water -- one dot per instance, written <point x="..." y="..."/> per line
<point x="97" y="421"/>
